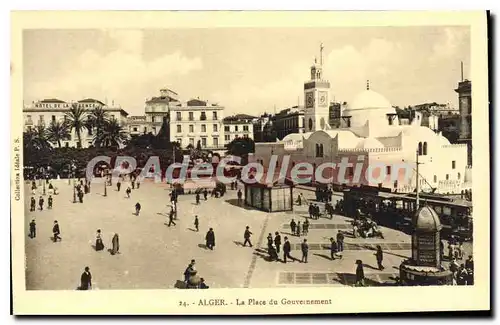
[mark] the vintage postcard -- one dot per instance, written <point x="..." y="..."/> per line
<point x="285" y="162"/>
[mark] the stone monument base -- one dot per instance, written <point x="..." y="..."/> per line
<point x="414" y="275"/>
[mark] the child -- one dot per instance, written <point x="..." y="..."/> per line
<point x="196" y="223"/>
<point x="137" y="208"/>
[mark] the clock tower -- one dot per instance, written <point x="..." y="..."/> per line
<point x="316" y="101"/>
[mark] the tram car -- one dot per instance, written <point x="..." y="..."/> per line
<point x="396" y="210"/>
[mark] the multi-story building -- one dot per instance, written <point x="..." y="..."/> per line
<point x="46" y="111"/>
<point x="289" y="120"/>
<point x="137" y="125"/>
<point x="259" y="127"/>
<point x="238" y="126"/>
<point x="196" y="121"/>
<point x="190" y="122"/>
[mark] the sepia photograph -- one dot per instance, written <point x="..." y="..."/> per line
<point x="294" y="163"/>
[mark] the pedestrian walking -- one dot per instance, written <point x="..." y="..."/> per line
<point x="205" y="194"/>
<point x="246" y="236"/>
<point x="128" y="191"/>
<point x="286" y="250"/>
<point x="380" y="257"/>
<point x="86" y="280"/>
<point x="99" y="245"/>
<point x="40" y="202"/>
<point x="360" y="274"/>
<point x="32" y="229"/>
<point x="297" y="233"/>
<point x="210" y="239"/>
<point x="115" y="244"/>
<point x="305" y="250"/>
<point x="196" y="223"/>
<point x="305" y="227"/>
<point x="118" y="185"/>
<point x="333" y="248"/>
<point x="56" y="231"/>
<point x="292" y="226"/>
<point x="270" y="239"/>
<point x="239" y="197"/>
<point x="33" y="204"/>
<point x="80" y="196"/>
<point x="50" y="201"/>
<point x="197" y="198"/>
<point x="299" y="199"/>
<point x="171" y="218"/>
<point x="138" y="184"/>
<point x="137" y="208"/>
<point x="311" y="210"/>
<point x="340" y="241"/>
<point x="277" y="241"/>
<point x="133" y="184"/>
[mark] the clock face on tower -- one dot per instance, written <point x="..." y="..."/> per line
<point x="309" y="100"/>
<point x="323" y="100"/>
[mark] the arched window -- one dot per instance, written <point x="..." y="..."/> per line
<point x="458" y="176"/>
<point x="321" y="150"/>
<point x="435" y="179"/>
<point x="420" y="148"/>
<point x="425" y="149"/>
<point x="317" y="150"/>
<point x="447" y="176"/>
<point x="310" y="124"/>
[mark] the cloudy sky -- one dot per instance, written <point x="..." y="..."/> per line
<point x="246" y="70"/>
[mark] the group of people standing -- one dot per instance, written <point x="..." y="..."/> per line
<point x="298" y="230"/>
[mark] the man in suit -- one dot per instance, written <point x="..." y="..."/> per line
<point x="246" y="236"/>
<point x="32" y="204"/>
<point x="239" y="197"/>
<point x="277" y="241"/>
<point x="210" y="239"/>
<point x="56" y="231"/>
<point x="305" y="251"/>
<point x="86" y="280"/>
<point x="32" y="229"/>
<point x="286" y="250"/>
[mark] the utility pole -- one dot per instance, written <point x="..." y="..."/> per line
<point x="417" y="203"/>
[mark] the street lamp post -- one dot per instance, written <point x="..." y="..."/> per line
<point x="105" y="188"/>
<point x="44" y="181"/>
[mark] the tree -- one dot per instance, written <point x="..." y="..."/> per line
<point x="40" y="137"/>
<point x="57" y="132"/>
<point x="113" y="134"/>
<point x="241" y="147"/>
<point x="98" y="119"/>
<point x="75" y="118"/>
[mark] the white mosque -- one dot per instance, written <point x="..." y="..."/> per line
<point x="370" y="132"/>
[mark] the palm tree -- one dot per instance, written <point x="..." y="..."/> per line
<point x="76" y="121"/>
<point x="112" y="135"/>
<point x="58" y="131"/>
<point x="36" y="138"/>
<point x="98" y="118"/>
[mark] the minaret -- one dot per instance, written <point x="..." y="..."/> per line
<point x="465" y="108"/>
<point x="316" y="97"/>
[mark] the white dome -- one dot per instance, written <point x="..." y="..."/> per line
<point x="369" y="143"/>
<point x="369" y="99"/>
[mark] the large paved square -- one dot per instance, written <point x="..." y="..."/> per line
<point x="154" y="256"/>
